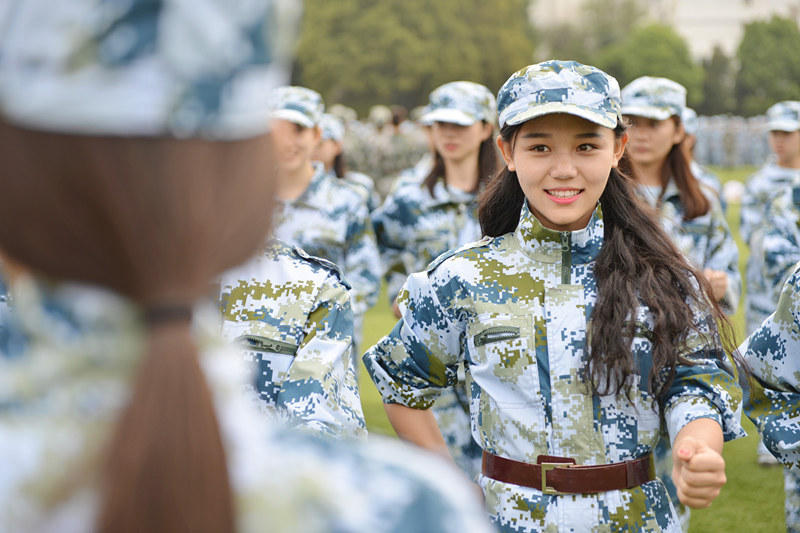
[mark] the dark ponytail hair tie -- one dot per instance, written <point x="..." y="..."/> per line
<point x="155" y="315"/>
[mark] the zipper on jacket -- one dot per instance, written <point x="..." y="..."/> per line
<point x="263" y="344"/>
<point x="566" y="257"/>
<point x="495" y="334"/>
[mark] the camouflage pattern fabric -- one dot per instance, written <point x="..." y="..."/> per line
<point x="773" y="399"/>
<point x="139" y="67"/>
<point x="330" y="220"/>
<point x="784" y="116"/>
<point x="460" y="102"/>
<point x="300" y="105"/>
<point x="515" y="309"/>
<point x="291" y="315"/>
<point x="414" y="227"/>
<point x="706" y="241"/>
<point x="655" y="98"/>
<point x="761" y="190"/>
<point x="710" y="180"/>
<point x="61" y="398"/>
<point x="365" y="182"/>
<point x="780" y="246"/>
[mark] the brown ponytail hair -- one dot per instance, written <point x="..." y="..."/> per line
<point x="144" y="217"/>
<point x="488" y="160"/>
<point x="638" y="265"/>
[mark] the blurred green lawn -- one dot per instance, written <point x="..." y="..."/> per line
<point x="751" y="501"/>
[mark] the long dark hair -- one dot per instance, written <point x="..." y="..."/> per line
<point x="638" y="265"/>
<point x="677" y="168"/>
<point x="137" y="215"/>
<point x="487" y="165"/>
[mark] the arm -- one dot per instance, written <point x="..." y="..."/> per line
<point x="391" y="233"/>
<point x="321" y="389"/>
<point x="417" y="426"/>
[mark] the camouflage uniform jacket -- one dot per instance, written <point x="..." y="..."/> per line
<point x="780" y="245"/>
<point x="706" y="241"/>
<point x="291" y="314"/>
<point x="330" y="220"/>
<point x="365" y="182"/>
<point x="61" y="398"/>
<point x="515" y="308"/>
<point x="773" y="399"/>
<point x="413" y="228"/>
<point x="760" y="191"/>
<point x="709" y="179"/>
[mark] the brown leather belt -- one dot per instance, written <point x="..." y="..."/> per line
<point x="560" y="475"/>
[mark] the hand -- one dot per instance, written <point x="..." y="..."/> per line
<point x="698" y="472"/>
<point x="718" y="281"/>
<point x="396" y="309"/>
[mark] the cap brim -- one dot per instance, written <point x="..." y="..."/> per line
<point x="550" y="108"/>
<point x="783" y="125"/>
<point x="452" y="116"/>
<point x="655" y="113"/>
<point x="293" y="116"/>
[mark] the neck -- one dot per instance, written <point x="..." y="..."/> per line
<point x="649" y="174"/>
<point x="793" y="162"/>
<point x="462" y="174"/>
<point x="292" y="184"/>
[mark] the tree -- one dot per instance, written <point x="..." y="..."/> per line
<point x="361" y="52"/>
<point x="654" y="50"/>
<point x="769" y="59"/>
<point x="718" y="82"/>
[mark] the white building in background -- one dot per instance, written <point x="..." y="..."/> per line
<point x="703" y="23"/>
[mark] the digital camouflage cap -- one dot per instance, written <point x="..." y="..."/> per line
<point x="460" y="102"/>
<point x="300" y="105"/>
<point x="655" y="98"/>
<point x="559" y="87"/>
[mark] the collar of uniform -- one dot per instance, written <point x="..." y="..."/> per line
<point x="444" y="195"/>
<point x="546" y="244"/>
<point x="311" y="194"/>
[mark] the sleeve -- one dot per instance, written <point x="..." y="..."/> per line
<point x="772" y="399"/>
<point x="362" y="262"/>
<point x="750" y="212"/>
<point x="320" y="392"/>
<point x="723" y="255"/>
<point x="419" y="357"/>
<point x="392" y="235"/>
<point x="704" y="388"/>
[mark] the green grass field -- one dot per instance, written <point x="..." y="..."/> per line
<point x="751" y="501"/>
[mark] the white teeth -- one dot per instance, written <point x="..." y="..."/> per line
<point x="564" y="194"/>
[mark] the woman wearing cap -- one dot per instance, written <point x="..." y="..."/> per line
<point x="330" y="152"/>
<point x="420" y="220"/>
<point x="321" y="214"/>
<point x="688" y="210"/>
<point x="566" y="409"/>
<point x="775" y="178"/>
<point x="139" y="177"/>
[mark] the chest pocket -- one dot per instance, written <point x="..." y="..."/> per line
<point x="502" y="358"/>
<point x="271" y="359"/>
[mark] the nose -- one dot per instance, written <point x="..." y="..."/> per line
<point x="563" y="167"/>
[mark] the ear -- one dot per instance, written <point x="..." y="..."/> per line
<point x="680" y="133"/>
<point x="619" y="148"/>
<point x="506" y="151"/>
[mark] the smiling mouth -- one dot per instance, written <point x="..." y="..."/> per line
<point x="563" y="196"/>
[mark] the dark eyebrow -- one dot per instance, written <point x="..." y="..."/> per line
<point x="536" y="135"/>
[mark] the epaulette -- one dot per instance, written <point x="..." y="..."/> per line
<point x="324" y="263"/>
<point x="450" y="253"/>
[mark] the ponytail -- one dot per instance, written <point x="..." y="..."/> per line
<point x="166" y="468"/>
<point x="140" y="216"/>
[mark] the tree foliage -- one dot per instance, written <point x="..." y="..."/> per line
<point x="361" y="52"/>
<point x="718" y="80"/>
<point x="769" y="65"/>
<point x="654" y="50"/>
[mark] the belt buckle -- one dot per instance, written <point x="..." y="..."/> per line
<point x="546" y="467"/>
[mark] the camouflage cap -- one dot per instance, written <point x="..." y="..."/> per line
<point x="559" y="87"/>
<point x="332" y="128"/>
<point x="784" y="116"/>
<point x="181" y="69"/>
<point x="689" y="120"/>
<point x="300" y="105"/>
<point x="656" y="98"/>
<point x="460" y="102"/>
